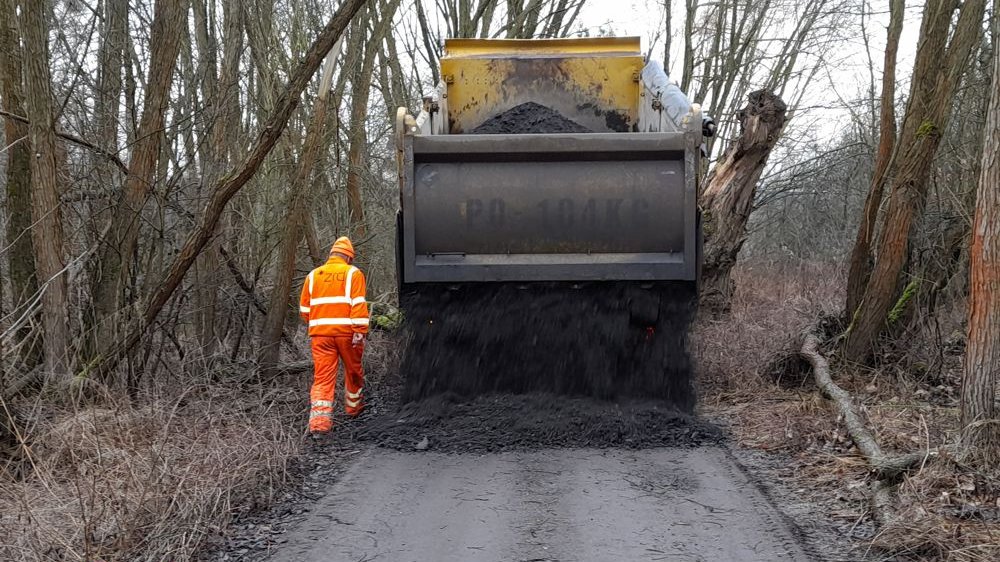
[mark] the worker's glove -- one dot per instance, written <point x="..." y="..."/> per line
<point x="357" y="339"/>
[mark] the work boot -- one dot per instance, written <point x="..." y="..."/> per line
<point x="355" y="409"/>
<point x="320" y="430"/>
<point x="319" y="435"/>
<point x="321" y="423"/>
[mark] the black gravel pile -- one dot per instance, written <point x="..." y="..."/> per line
<point x="505" y="422"/>
<point x="529" y="118"/>
<point x="606" y="340"/>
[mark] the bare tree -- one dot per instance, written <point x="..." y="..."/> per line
<point x="47" y="231"/>
<point x="360" y="91"/>
<point x="220" y="90"/>
<point x="277" y="310"/>
<point x="860" y="265"/>
<point x="232" y="182"/>
<point x="734" y="47"/>
<point x="668" y="8"/>
<point x="109" y="283"/>
<point x="928" y="111"/>
<point x="21" y="261"/>
<point x="687" y="70"/>
<point x="728" y="194"/>
<point x="510" y="19"/>
<point x="107" y="106"/>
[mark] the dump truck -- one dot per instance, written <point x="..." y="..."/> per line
<point x="548" y="234"/>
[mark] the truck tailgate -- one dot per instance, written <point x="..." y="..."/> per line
<point x="548" y="207"/>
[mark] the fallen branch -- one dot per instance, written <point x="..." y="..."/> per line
<point x="887" y="469"/>
<point x="885" y="466"/>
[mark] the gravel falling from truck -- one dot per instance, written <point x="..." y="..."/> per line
<point x="606" y="340"/>
<point x="612" y="341"/>
<point x="529" y="118"/>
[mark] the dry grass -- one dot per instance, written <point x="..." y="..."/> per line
<point x="947" y="511"/>
<point x="773" y="304"/>
<point x="156" y="479"/>
<point x="150" y="482"/>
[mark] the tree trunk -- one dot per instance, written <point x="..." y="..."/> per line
<point x="728" y="195"/>
<point x="21" y="256"/>
<point x="47" y="231"/>
<point x="115" y="271"/>
<point x="937" y="69"/>
<point x="391" y="75"/>
<point x="232" y="182"/>
<point x="358" y="140"/>
<point x="428" y="39"/>
<point x="668" y="8"/>
<point x="690" y="11"/>
<point x="235" y="39"/>
<point x="212" y="158"/>
<point x="284" y="271"/>
<point x="981" y="373"/>
<point x="106" y="178"/>
<point x="219" y="88"/>
<point x="109" y="76"/>
<point x="4" y="434"/>
<point x="317" y="252"/>
<point x="860" y="267"/>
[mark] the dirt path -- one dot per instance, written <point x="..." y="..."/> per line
<point x="548" y="505"/>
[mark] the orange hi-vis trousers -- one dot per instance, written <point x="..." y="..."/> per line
<point x="327" y="351"/>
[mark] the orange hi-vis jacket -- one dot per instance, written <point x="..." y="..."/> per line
<point x="333" y="300"/>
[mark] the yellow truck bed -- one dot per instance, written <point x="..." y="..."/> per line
<point x="593" y="81"/>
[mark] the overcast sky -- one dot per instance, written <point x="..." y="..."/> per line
<point x="847" y="75"/>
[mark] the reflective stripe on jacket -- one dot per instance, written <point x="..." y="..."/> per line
<point x="333" y="300"/>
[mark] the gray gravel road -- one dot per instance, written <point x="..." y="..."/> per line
<point x="565" y="505"/>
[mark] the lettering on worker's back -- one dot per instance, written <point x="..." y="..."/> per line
<point x="331" y="276"/>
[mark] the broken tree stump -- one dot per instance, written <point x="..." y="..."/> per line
<point x="727" y="197"/>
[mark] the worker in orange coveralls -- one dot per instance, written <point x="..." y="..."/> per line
<point x="333" y="306"/>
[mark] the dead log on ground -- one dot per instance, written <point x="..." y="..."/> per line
<point x="887" y="468"/>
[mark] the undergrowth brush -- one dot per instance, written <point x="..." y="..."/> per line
<point x="751" y="378"/>
<point x="157" y="476"/>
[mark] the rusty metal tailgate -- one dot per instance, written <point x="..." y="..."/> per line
<point x="566" y="207"/>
